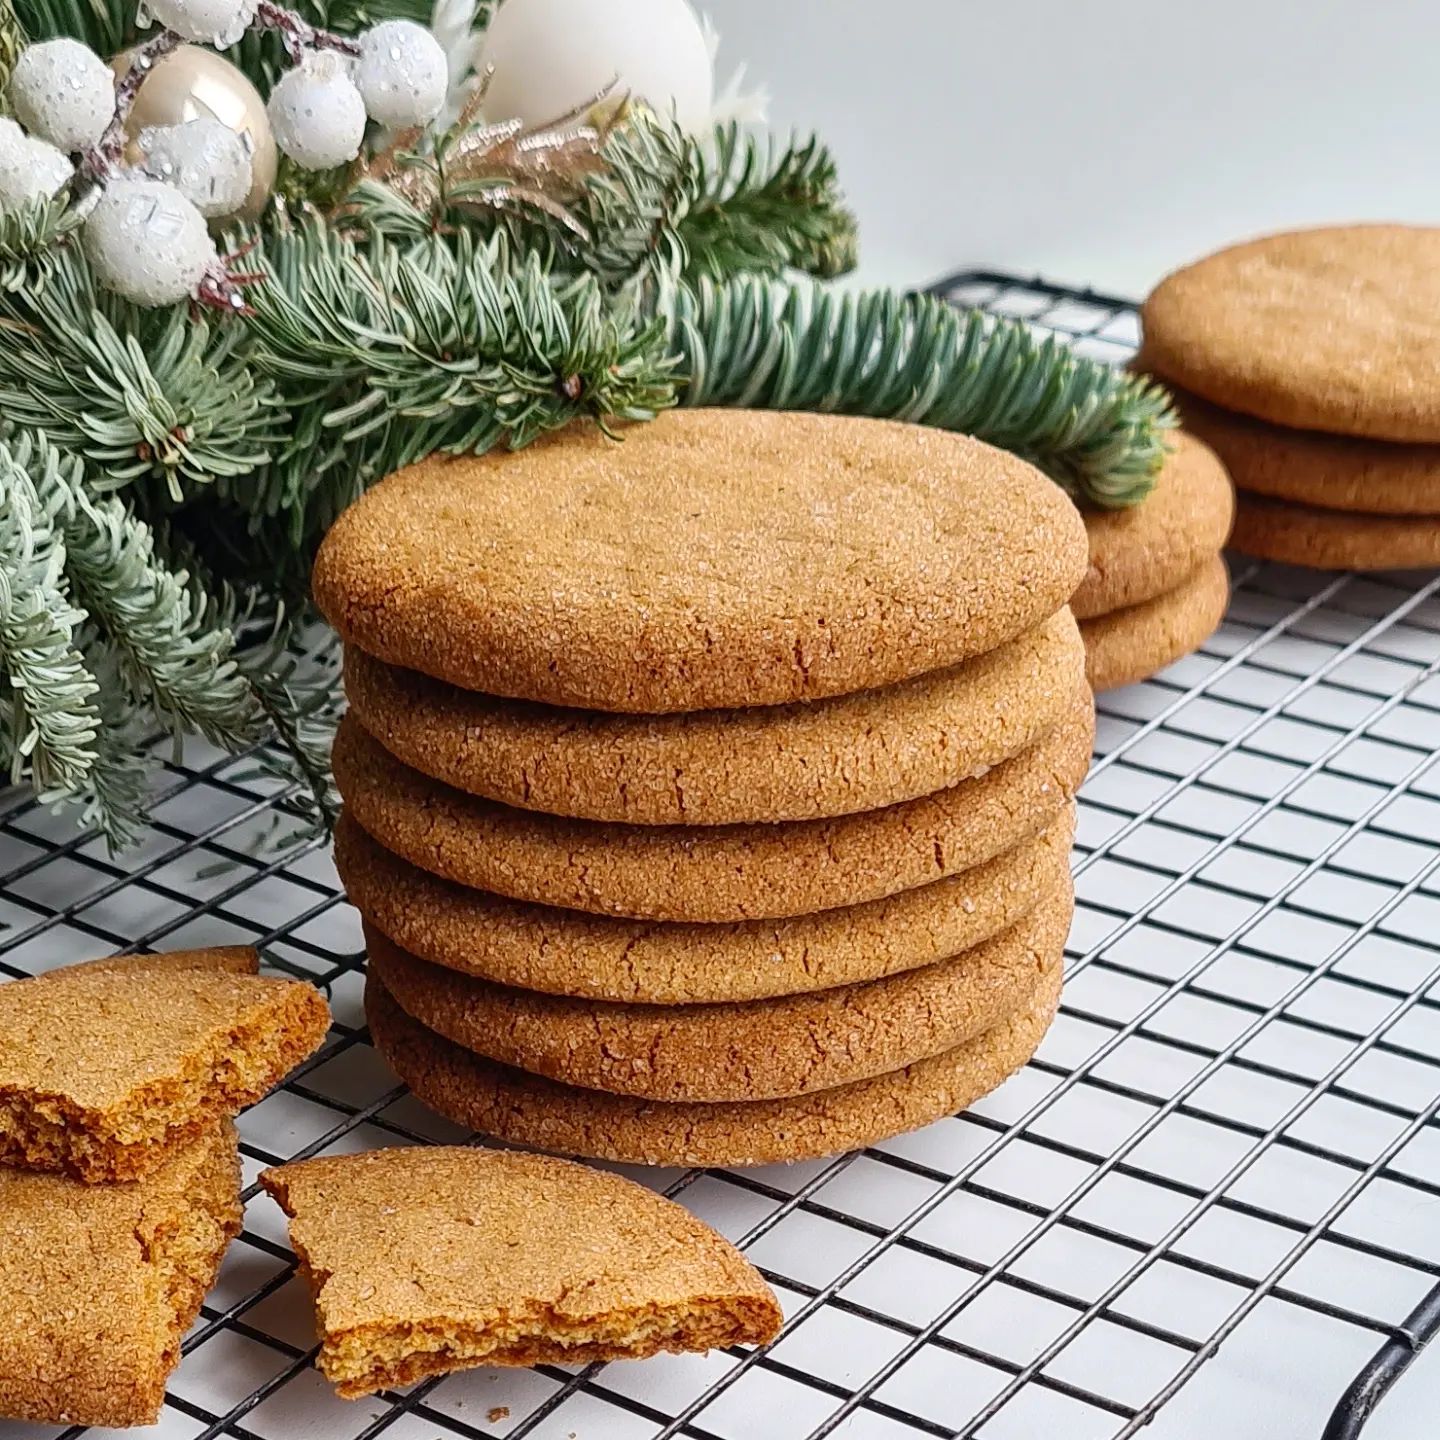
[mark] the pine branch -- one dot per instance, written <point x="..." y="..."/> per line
<point x="1096" y="431"/>
<point x="30" y="238"/>
<point x="49" y="701"/>
<point x="173" y="642"/>
<point x="391" y="351"/>
<point x="156" y="395"/>
<point x="765" y="208"/>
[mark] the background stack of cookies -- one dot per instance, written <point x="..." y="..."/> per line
<point x="1308" y="360"/>
<point x="1156" y="586"/>
<point x="709" y="794"/>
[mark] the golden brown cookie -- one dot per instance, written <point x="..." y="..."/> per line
<point x="425" y="1260"/>
<point x="1332" y="472"/>
<point x="601" y="957"/>
<point x="105" y="1067"/>
<point x="530" y="1110"/>
<point x="722" y="767"/>
<point x="1332" y="329"/>
<point x="1130" y="645"/>
<point x="717" y="872"/>
<point x="1334" y="539"/>
<point x="709" y="559"/>
<point x="1139" y="553"/>
<point x="99" y="1283"/>
<point x="759" y="1050"/>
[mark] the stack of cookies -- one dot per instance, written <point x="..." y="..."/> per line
<point x="1309" y="361"/>
<point x="709" y="794"/>
<point x="1156" y="587"/>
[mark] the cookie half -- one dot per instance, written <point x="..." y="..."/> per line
<point x="710" y="873"/>
<point x="1132" y="644"/>
<point x="105" y="1067"/>
<point x="530" y="1110"/>
<point x="760" y="1050"/>
<point x="722" y="767"/>
<point x="1332" y="472"/>
<point x="601" y="957"/>
<point x="708" y="559"/>
<point x="99" y="1283"/>
<point x="1334" y="539"/>
<point x="1333" y="329"/>
<point x="1150" y="548"/>
<point x="429" y="1259"/>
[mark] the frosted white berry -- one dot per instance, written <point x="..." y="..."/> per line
<point x="402" y="74"/>
<point x="316" y="112"/>
<point x="204" y="160"/>
<point x="147" y="242"/>
<point x="63" y="92"/>
<point x="30" y="169"/>
<point x="212" y="22"/>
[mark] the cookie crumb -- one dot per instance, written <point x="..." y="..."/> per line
<point x="496" y="1413"/>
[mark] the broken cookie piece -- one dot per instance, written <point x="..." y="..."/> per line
<point x="433" y="1259"/>
<point x="99" y="1283"/>
<point x="106" y="1067"/>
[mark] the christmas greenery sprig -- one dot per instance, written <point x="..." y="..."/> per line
<point x="165" y="475"/>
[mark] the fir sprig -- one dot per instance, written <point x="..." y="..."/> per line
<point x="762" y="207"/>
<point x="1095" y="430"/>
<point x="49" y="697"/>
<point x="157" y="394"/>
<point x="30" y="240"/>
<point x="390" y="351"/>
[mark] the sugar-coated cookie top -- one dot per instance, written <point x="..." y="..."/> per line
<point x="710" y="558"/>
<point x="1333" y="329"/>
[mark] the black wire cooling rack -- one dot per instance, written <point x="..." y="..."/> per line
<point x="1207" y="1204"/>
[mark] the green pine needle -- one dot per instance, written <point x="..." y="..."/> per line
<point x="1096" y="431"/>
<point x="49" y="696"/>
<point x="761" y="208"/>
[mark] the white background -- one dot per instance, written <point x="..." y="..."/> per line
<point x="1101" y="141"/>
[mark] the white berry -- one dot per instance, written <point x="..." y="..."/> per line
<point x="30" y="170"/>
<point x="317" y="114"/>
<point x="204" y="160"/>
<point x="212" y="22"/>
<point x="147" y="242"/>
<point x="402" y="74"/>
<point x="63" y="92"/>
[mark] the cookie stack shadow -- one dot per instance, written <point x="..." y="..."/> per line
<point x="709" y="796"/>
<point x="1307" y="361"/>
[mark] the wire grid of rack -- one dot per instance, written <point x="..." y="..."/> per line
<point x="1225" y="1151"/>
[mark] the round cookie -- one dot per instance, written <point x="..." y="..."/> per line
<point x="600" y="957"/>
<point x="1150" y="548"/>
<point x="1333" y="472"/>
<point x="760" y="1050"/>
<point x="723" y="767"/>
<point x="709" y="559"/>
<point x="1334" y="539"/>
<point x="714" y="873"/>
<point x="530" y="1110"/>
<point x="1332" y="329"/>
<point x="1130" y="645"/>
